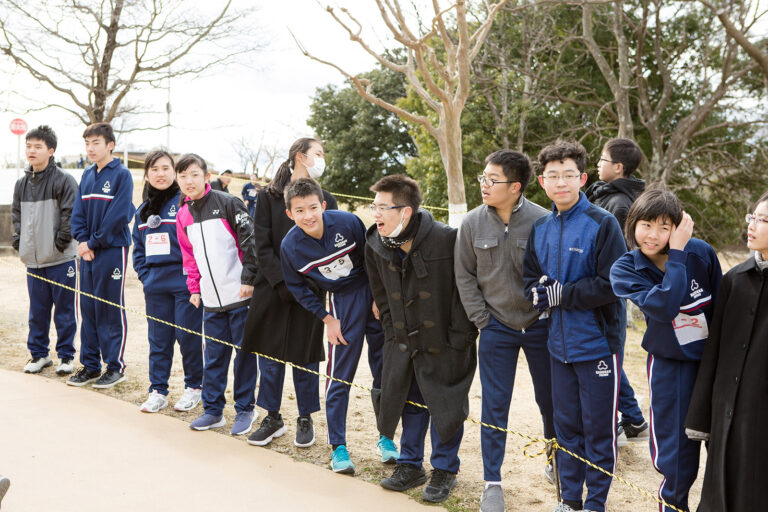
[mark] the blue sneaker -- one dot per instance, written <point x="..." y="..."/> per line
<point x="243" y="422"/>
<point x="208" y="421"/>
<point x="388" y="450"/>
<point x="340" y="462"/>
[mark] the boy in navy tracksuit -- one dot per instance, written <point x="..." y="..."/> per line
<point x="100" y="218"/>
<point x="326" y="248"/>
<point x="674" y="280"/>
<point x="216" y="238"/>
<point x="250" y="194"/>
<point x="566" y="271"/>
<point x="157" y="259"/>
<point x="42" y="207"/>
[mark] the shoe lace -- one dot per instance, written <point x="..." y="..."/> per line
<point x="386" y="443"/>
<point x="304" y="424"/>
<point x="439" y="477"/>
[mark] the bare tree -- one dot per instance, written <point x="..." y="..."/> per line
<point x="93" y="53"/>
<point x="739" y="18"/>
<point x="437" y="67"/>
<point x="249" y="153"/>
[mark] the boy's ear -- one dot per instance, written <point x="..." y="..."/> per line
<point x="324" y="204"/>
<point x="111" y="146"/>
<point x="288" y="213"/>
<point x="541" y="180"/>
<point x="621" y="169"/>
<point x="583" y="179"/>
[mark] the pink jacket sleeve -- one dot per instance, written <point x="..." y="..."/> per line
<point x="184" y="219"/>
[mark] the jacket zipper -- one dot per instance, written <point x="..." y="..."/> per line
<point x="208" y="264"/>
<point x="560" y="310"/>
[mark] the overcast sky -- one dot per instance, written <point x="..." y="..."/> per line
<point x="271" y="97"/>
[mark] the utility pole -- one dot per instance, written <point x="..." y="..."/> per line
<point x="168" y="115"/>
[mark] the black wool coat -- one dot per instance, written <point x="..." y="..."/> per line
<point x="730" y="398"/>
<point x="283" y="330"/>
<point x="426" y="330"/>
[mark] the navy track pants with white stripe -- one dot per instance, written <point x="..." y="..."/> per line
<point x="353" y="309"/>
<point x="585" y="397"/>
<point x="42" y="297"/>
<point x="104" y="328"/>
<point x="673" y="455"/>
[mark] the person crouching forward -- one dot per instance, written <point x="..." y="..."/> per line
<point x="429" y="354"/>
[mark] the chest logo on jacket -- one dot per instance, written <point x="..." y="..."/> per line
<point x="602" y="369"/>
<point x="116" y="275"/>
<point x="340" y="241"/>
<point x="71" y="271"/>
<point x="107" y="187"/>
<point x="172" y="211"/>
<point x="215" y="212"/>
<point x="337" y="269"/>
<point x="696" y="290"/>
<point x="241" y="219"/>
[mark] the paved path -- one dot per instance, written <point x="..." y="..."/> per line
<point x="66" y="449"/>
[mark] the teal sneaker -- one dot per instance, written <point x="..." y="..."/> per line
<point x="340" y="462"/>
<point x="388" y="450"/>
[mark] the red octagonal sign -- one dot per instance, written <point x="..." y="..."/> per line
<point x="18" y="126"/>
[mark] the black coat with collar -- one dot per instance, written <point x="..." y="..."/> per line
<point x="427" y="333"/>
<point x="731" y="392"/>
<point x="283" y="330"/>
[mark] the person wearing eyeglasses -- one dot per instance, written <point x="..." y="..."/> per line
<point x="429" y="354"/>
<point x="728" y="402"/>
<point x="615" y="191"/>
<point x="489" y="265"/>
<point x="566" y="270"/>
<point x="674" y="280"/>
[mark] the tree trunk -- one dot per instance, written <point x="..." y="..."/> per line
<point x="449" y="142"/>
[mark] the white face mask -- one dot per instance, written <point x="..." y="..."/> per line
<point x="317" y="169"/>
<point x="399" y="228"/>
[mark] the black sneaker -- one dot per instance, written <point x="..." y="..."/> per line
<point x="108" y="379"/>
<point x="637" y="432"/>
<point x="439" y="486"/>
<point x="305" y="432"/>
<point x="405" y="476"/>
<point x="83" y="377"/>
<point x="269" y="429"/>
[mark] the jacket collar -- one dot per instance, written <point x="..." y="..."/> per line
<point x="36" y="175"/>
<point x="747" y="266"/>
<point x="374" y="239"/>
<point x="205" y="195"/>
<point x="577" y="208"/>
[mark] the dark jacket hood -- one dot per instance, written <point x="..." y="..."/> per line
<point x="631" y="187"/>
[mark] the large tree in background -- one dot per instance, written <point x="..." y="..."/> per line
<point x="362" y="141"/>
<point x="437" y="67"/>
<point x="92" y="54"/>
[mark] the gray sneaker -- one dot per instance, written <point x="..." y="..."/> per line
<point x="562" y="507"/>
<point x="493" y="499"/>
<point x="36" y="364"/>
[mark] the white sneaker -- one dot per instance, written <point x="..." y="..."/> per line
<point x="155" y="402"/>
<point x="36" y="364"/>
<point x="66" y="366"/>
<point x="621" y="439"/>
<point x="189" y="400"/>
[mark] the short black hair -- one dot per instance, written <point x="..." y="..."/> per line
<point x="625" y="152"/>
<point x="226" y="172"/>
<point x="103" y="129"/>
<point x="405" y="191"/>
<point x="561" y="150"/>
<point x="189" y="159"/>
<point x="302" y="187"/>
<point x="652" y="204"/>
<point x="516" y="166"/>
<point x="44" y="133"/>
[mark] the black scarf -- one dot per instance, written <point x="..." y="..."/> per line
<point x="156" y="199"/>
<point x="408" y="233"/>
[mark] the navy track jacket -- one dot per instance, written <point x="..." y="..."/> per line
<point x="335" y="262"/>
<point x="678" y="304"/>
<point x="103" y="207"/>
<point x="578" y="247"/>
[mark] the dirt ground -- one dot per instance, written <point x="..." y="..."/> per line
<point x="524" y="484"/>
